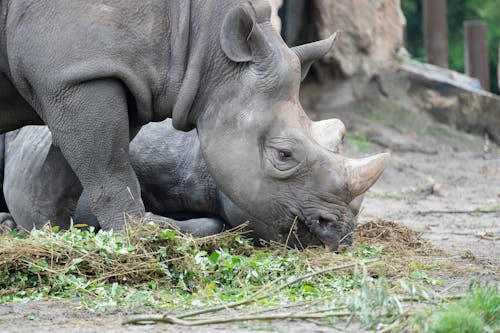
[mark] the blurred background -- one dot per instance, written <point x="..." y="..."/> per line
<point x="458" y="11"/>
<point x="436" y="56"/>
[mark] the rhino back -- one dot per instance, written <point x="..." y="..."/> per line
<point x="52" y="44"/>
<point x="3" y="204"/>
<point x="172" y="171"/>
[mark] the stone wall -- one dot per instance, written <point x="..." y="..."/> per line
<point x="371" y="32"/>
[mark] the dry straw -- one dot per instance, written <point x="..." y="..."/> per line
<point x="61" y="255"/>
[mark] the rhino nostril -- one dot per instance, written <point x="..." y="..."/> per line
<point x="323" y="223"/>
<point x="331" y="247"/>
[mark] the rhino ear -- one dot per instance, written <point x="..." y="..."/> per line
<point x="237" y="27"/>
<point x="308" y="53"/>
<point x="241" y="39"/>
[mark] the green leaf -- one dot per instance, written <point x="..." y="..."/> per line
<point x="214" y="257"/>
<point x="166" y="234"/>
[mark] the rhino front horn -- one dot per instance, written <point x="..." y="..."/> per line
<point x="363" y="173"/>
<point x="308" y="53"/>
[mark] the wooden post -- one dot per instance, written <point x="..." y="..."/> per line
<point x="476" y="52"/>
<point x="498" y="68"/>
<point x="436" y="32"/>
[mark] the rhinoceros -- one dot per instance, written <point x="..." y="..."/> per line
<point x="172" y="173"/>
<point x="96" y="71"/>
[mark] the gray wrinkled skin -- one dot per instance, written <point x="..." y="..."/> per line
<point x="95" y="73"/>
<point x="172" y="173"/>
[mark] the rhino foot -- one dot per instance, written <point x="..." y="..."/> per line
<point x="197" y="227"/>
<point x="7" y="223"/>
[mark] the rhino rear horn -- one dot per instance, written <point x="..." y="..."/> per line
<point x="329" y="133"/>
<point x="241" y="39"/>
<point x="363" y="173"/>
<point x="308" y="53"/>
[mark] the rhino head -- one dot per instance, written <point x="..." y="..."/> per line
<point x="262" y="150"/>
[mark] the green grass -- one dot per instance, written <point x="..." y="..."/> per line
<point x="366" y="251"/>
<point x="418" y="272"/>
<point x="157" y="268"/>
<point x="359" y="141"/>
<point x="478" y="311"/>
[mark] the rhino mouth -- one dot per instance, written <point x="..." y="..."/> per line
<point x="327" y="229"/>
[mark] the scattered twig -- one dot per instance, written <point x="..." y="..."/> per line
<point x="396" y="326"/>
<point x="452" y="285"/>
<point x="288" y="306"/>
<point x="230" y="319"/>
<point x="292" y="228"/>
<point x="261" y="294"/>
<point x="336" y="308"/>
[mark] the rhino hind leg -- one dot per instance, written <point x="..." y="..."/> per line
<point x="39" y="185"/>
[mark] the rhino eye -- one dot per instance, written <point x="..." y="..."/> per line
<point x="284" y="155"/>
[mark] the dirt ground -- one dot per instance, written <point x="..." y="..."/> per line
<point x="441" y="182"/>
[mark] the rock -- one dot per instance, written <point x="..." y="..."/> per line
<point x="370" y="34"/>
<point x="450" y="97"/>
<point x="394" y="139"/>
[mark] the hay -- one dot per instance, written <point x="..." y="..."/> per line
<point x="154" y="255"/>
<point x="402" y="246"/>
<point x="145" y="252"/>
<point x="395" y="237"/>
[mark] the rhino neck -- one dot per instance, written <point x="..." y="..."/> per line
<point x="190" y="44"/>
<point x="197" y="65"/>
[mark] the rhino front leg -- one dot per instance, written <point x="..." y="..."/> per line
<point x="6" y="222"/>
<point x="90" y="123"/>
